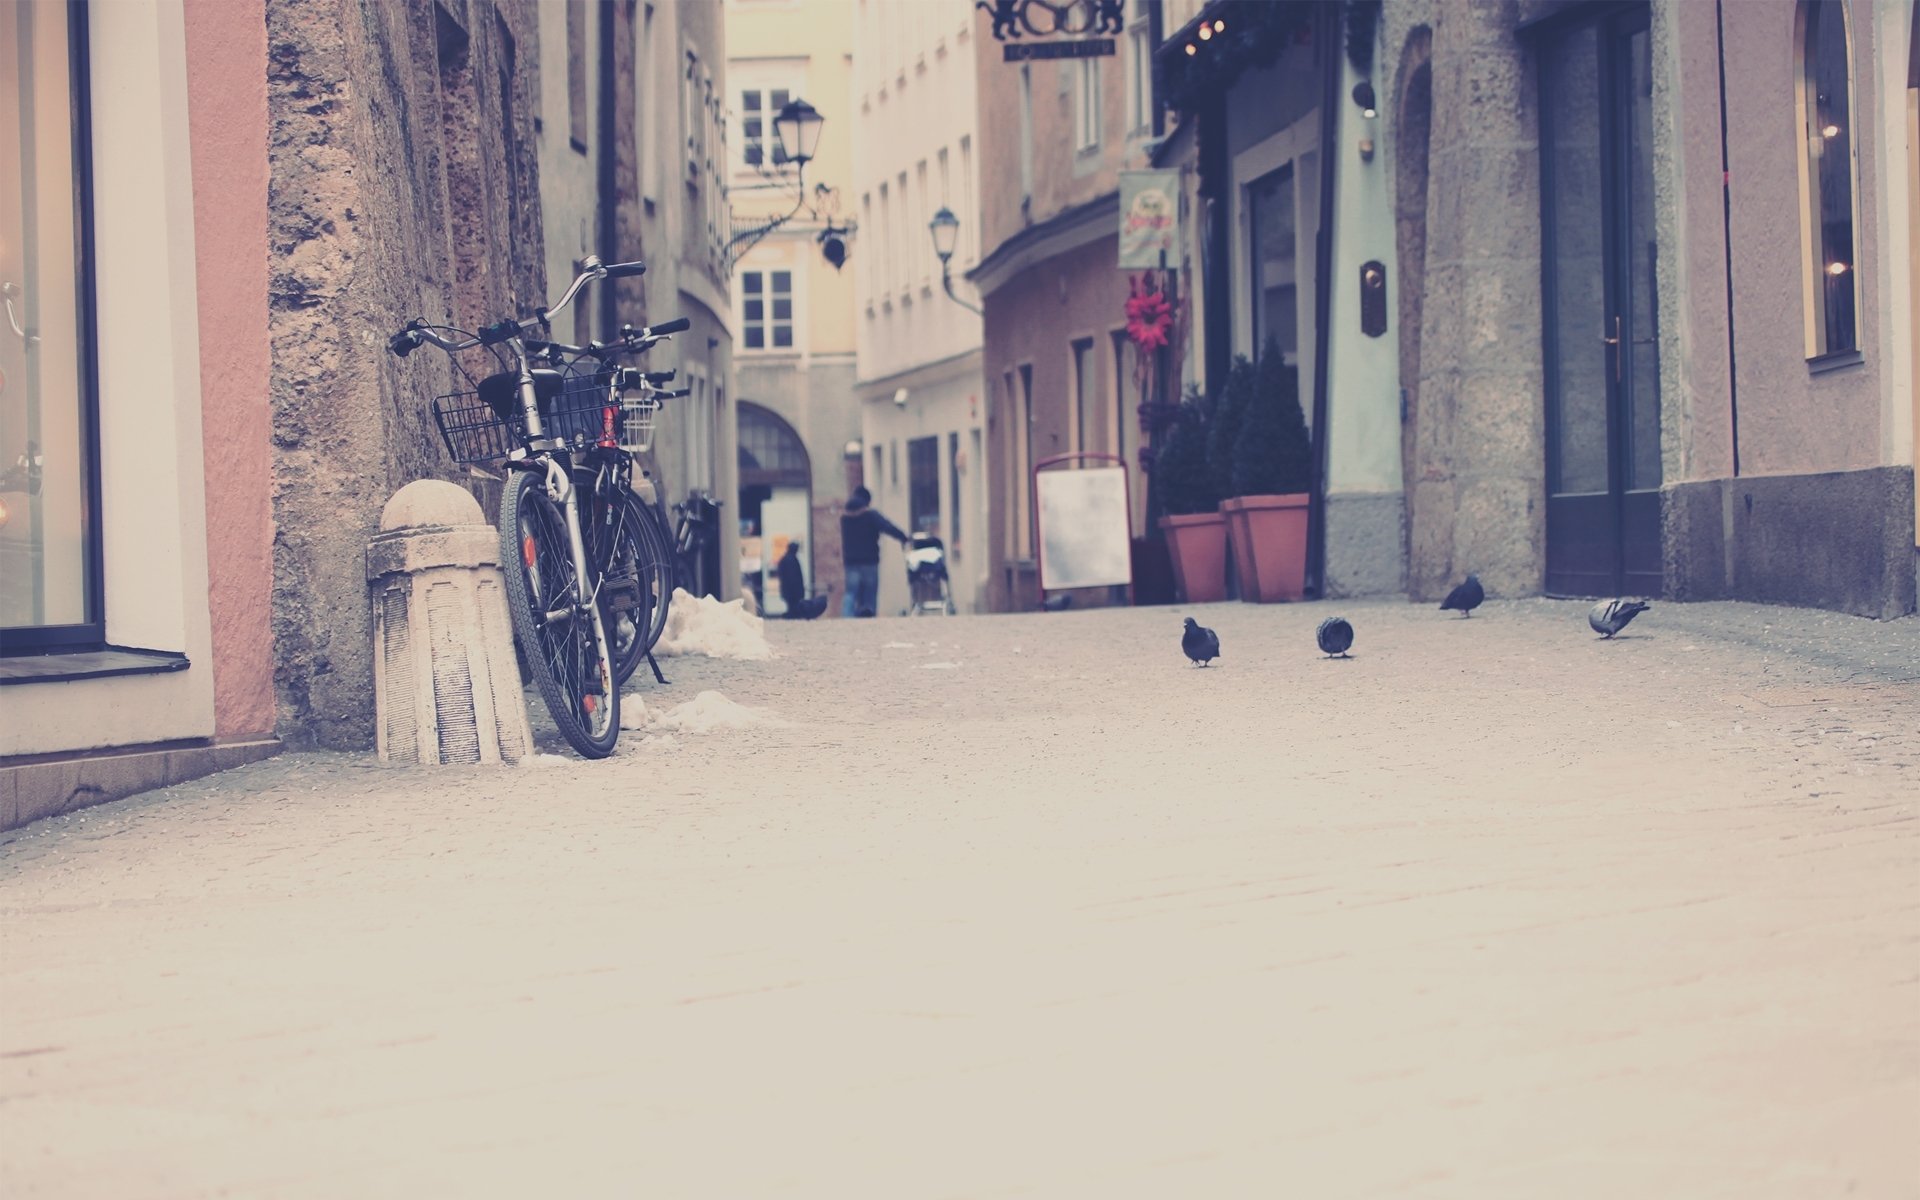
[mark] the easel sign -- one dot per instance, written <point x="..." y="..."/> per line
<point x="1083" y="522"/>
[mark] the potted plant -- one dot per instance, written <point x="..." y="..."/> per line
<point x="1196" y="532"/>
<point x="1272" y="472"/>
<point x="1230" y="407"/>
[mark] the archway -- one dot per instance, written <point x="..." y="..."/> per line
<point x="776" y="502"/>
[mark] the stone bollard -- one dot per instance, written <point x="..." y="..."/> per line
<point x="446" y="687"/>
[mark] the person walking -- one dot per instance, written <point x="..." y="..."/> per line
<point x="860" y="529"/>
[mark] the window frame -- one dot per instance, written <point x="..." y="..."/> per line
<point x="773" y="159"/>
<point x="91" y="633"/>
<point x="767" y="324"/>
<point x="1815" y="290"/>
<point x="1087" y="103"/>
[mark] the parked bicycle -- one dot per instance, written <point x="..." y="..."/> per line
<point x="577" y="546"/>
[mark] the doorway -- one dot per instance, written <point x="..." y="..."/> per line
<point x="776" y="504"/>
<point x="1601" y="312"/>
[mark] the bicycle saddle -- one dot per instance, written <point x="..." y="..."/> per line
<point x="502" y="392"/>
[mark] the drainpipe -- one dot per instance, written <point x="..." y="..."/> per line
<point x="1726" y="225"/>
<point x="1327" y="38"/>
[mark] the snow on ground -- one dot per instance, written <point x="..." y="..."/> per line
<point x="702" y="625"/>
<point x="708" y="712"/>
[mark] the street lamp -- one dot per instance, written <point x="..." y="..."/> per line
<point x="798" y="128"/>
<point x="945" y="228"/>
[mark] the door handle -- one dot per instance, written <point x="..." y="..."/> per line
<point x="1613" y="344"/>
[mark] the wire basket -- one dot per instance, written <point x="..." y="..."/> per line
<point x="475" y="432"/>
<point x="636" y="422"/>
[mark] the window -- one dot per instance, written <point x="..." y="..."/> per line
<point x="577" y="74"/>
<point x="1122" y="362"/>
<point x="879" y="465"/>
<point x="923" y="485"/>
<point x="1083" y="393"/>
<point x="693" y="115"/>
<point x="1086" y="105"/>
<point x="953" y="489"/>
<point x="923" y="240"/>
<point x="1275" y="266"/>
<point x="1026" y="133"/>
<point x="50" y="582"/>
<point x="865" y="261"/>
<point x="759" y="143"/>
<point x="893" y="460"/>
<point x="766" y="309"/>
<point x="1139" y="72"/>
<point x="1827" y="179"/>
<point x="969" y="224"/>
<point x="903" y="246"/>
<point x="946" y="187"/>
<point x="883" y="246"/>
<point x="1020" y="428"/>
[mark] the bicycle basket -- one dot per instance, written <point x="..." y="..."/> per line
<point x="577" y="413"/>
<point x="636" y="422"/>
<point x="473" y="432"/>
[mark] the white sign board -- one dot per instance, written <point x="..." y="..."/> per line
<point x="1086" y="539"/>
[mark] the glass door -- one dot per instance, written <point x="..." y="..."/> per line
<point x="1602" y="315"/>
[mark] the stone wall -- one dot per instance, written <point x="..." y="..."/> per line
<point x="402" y="183"/>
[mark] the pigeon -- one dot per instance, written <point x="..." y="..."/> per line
<point x="1060" y="603"/>
<point x="1201" y="644"/>
<point x="1334" y="636"/>
<point x="1611" y="616"/>
<point x="1466" y="597"/>
<point x="810" y="608"/>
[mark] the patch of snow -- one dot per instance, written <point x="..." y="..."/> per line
<point x="899" y="646"/>
<point x="939" y="666"/>
<point x="703" y="625"/>
<point x="710" y="712"/>
<point x="633" y="711"/>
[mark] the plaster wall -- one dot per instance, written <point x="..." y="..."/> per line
<point x="227" y="116"/>
<point x="153" y="482"/>
<point x="403" y="183"/>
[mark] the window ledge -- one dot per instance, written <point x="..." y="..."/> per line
<point x="88" y="664"/>
<point x="1840" y="360"/>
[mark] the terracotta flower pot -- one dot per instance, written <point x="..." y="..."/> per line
<point x="1240" y="540"/>
<point x="1198" y="546"/>
<point x="1272" y="550"/>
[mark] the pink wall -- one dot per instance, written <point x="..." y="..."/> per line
<point x="1790" y="420"/>
<point x="227" y="111"/>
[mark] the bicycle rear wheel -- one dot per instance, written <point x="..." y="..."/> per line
<point x="556" y="633"/>
<point x="640" y="570"/>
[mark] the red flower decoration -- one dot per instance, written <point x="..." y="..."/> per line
<point x="1149" y="316"/>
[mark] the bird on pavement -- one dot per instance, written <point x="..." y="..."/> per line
<point x="1334" y="636"/>
<point x="1060" y="603"/>
<point x="1466" y="597"/>
<point x="1201" y="644"/>
<point x="1611" y="616"/>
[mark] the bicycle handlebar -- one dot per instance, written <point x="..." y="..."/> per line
<point x="417" y="332"/>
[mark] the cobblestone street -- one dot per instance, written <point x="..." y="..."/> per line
<point x="1026" y="906"/>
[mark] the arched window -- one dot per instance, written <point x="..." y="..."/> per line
<point x="1825" y="105"/>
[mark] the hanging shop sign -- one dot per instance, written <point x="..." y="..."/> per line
<point x="1033" y="29"/>
<point x="1149" y="218"/>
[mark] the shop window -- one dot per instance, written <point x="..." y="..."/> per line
<point x="923" y="485"/>
<point x="1827" y="170"/>
<point x="50" y="581"/>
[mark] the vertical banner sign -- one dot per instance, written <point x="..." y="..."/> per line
<point x="1149" y="218"/>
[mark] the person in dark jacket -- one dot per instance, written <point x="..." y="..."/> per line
<point x="793" y="581"/>
<point x="860" y="530"/>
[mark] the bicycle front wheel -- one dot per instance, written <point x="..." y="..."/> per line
<point x="557" y="633"/>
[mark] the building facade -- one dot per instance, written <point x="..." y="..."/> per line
<point x="211" y="218"/>
<point x="921" y="386"/>
<point x="1054" y="136"/>
<point x="1595" y="298"/>
<point x="793" y="304"/>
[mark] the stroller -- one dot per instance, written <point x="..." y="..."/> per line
<point x="927" y="576"/>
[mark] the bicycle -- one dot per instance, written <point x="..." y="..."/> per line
<point x="555" y="432"/>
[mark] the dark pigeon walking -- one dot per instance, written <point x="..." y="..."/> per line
<point x="1611" y="616"/>
<point x="1201" y="644"/>
<point x="1466" y="597"/>
<point x="1334" y="636"/>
